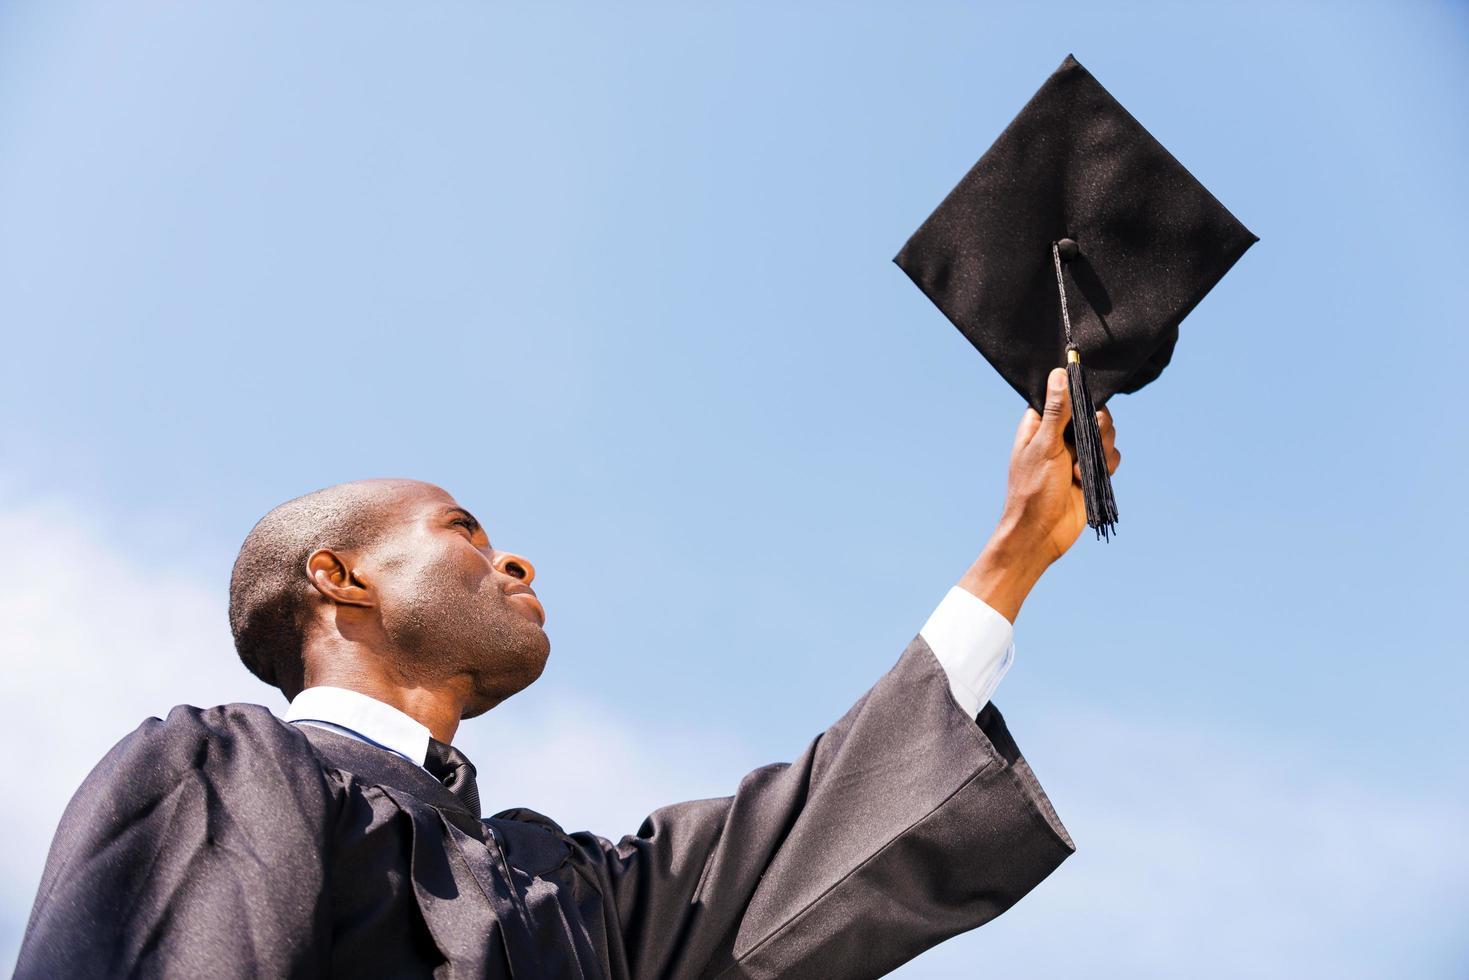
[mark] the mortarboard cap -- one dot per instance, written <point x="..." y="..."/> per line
<point x="1076" y="239"/>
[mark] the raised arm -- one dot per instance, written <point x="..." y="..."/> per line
<point x="903" y="824"/>
<point x="1044" y="513"/>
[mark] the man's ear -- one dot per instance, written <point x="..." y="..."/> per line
<point x="338" y="583"/>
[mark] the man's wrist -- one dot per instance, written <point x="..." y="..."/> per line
<point x="1005" y="571"/>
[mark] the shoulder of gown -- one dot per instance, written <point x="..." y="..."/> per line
<point x="195" y="846"/>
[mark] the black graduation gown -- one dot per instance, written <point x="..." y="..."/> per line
<point x="224" y="843"/>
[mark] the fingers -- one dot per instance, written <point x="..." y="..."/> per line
<point x="1057" y="413"/>
<point x="1029" y="422"/>
<point x="1050" y="426"/>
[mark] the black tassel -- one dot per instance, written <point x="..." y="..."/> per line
<point x="1091" y="456"/>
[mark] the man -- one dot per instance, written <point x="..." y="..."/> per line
<point x="347" y="839"/>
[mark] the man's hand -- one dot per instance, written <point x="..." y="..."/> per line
<point x="1044" y="512"/>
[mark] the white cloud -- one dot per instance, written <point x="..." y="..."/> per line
<point x="1200" y="854"/>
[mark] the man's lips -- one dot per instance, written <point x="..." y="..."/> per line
<point x="524" y="598"/>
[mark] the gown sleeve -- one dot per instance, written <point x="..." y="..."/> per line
<point x="195" y="848"/>
<point x="903" y="824"/>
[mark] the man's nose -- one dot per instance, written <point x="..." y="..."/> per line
<point x="516" y="566"/>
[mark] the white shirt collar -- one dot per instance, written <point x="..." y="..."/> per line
<point x="367" y="718"/>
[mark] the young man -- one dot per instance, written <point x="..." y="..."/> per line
<point x="347" y="839"/>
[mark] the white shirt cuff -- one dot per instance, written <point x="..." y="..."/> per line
<point x="973" y="643"/>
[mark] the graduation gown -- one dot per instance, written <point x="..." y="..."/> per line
<point x="226" y="843"/>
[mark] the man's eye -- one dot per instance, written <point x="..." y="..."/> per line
<point x="465" y="523"/>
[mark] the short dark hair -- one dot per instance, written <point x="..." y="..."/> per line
<point x="270" y="594"/>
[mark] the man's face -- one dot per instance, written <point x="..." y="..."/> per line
<point x="451" y="605"/>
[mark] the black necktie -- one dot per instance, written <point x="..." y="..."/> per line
<point x="452" y="768"/>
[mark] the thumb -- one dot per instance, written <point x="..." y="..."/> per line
<point x="1057" y="412"/>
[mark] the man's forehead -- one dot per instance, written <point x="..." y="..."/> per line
<point x="410" y="499"/>
<point x="422" y="499"/>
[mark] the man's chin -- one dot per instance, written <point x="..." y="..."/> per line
<point x="513" y="673"/>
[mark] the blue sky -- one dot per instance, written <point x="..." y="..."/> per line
<point x="621" y="281"/>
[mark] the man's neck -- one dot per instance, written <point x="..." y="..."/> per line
<point x="438" y="708"/>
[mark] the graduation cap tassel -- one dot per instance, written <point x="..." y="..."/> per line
<point x="1096" y="484"/>
<point x="1091" y="458"/>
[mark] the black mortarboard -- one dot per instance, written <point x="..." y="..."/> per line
<point x="1075" y="183"/>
